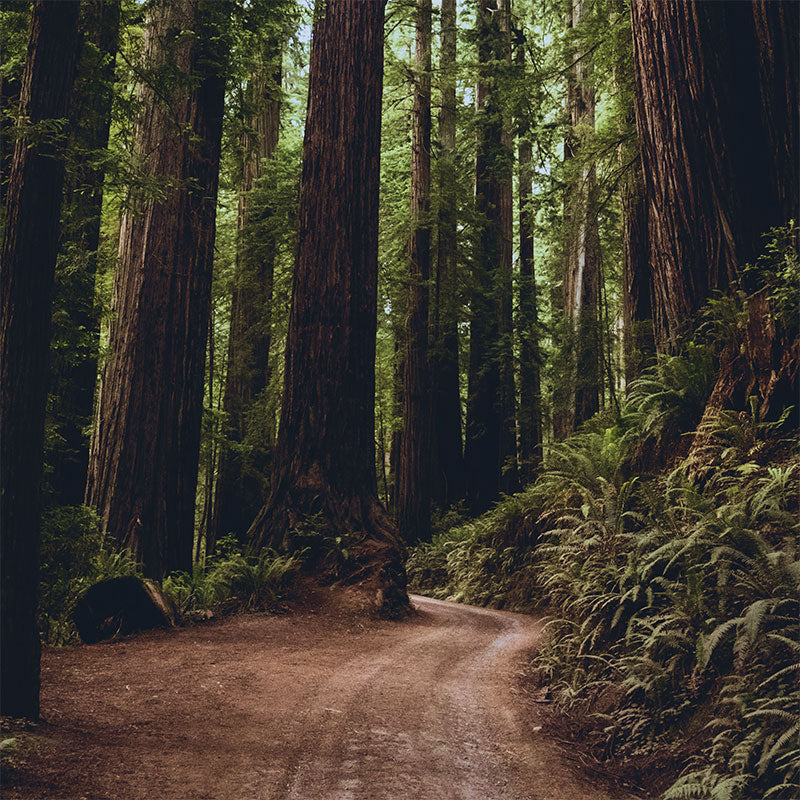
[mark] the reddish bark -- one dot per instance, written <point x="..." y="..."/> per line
<point x="448" y="468"/>
<point x="324" y="475"/>
<point x="413" y="491"/>
<point x="145" y="447"/>
<point x="637" y="307"/>
<point x="530" y="402"/>
<point x="720" y="158"/>
<point x="486" y="448"/>
<point x="582" y="243"/>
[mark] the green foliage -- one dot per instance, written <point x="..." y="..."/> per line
<point x="671" y="395"/>
<point x="486" y="561"/>
<point x="74" y="555"/>
<point x="669" y="593"/>
<point x="231" y="581"/>
<point x="774" y="275"/>
<point x="674" y="621"/>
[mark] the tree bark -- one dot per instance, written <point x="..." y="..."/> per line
<point x="720" y="159"/>
<point x="448" y="470"/>
<point x="324" y="485"/>
<point x="509" y="470"/>
<point x="530" y="390"/>
<point x="28" y="266"/>
<point x="145" y="448"/>
<point x="76" y="321"/>
<point x="242" y="481"/>
<point x="637" y="311"/>
<point x="581" y="274"/>
<point x="484" y="440"/>
<point x="413" y="498"/>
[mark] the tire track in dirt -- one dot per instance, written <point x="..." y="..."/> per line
<point x="306" y="706"/>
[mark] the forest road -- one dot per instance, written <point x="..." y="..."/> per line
<point x="300" y="707"/>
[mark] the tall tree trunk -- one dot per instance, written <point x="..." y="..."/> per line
<point x="324" y="473"/>
<point x="637" y="312"/>
<point x="29" y="255"/>
<point x="638" y="344"/>
<point x="413" y="499"/>
<point x="145" y="448"/>
<point x="582" y="245"/>
<point x="561" y="377"/>
<point x="509" y="471"/>
<point x="483" y="449"/>
<point x="241" y="485"/>
<point x="76" y="323"/>
<point x="720" y="159"/>
<point x="530" y="389"/>
<point x="448" y="470"/>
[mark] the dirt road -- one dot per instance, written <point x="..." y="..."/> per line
<point x="299" y="707"/>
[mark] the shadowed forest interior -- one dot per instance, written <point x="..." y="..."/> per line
<point x="491" y="301"/>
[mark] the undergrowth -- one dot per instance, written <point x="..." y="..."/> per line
<point x="75" y="554"/>
<point x="673" y="602"/>
<point x="231" y="581"/>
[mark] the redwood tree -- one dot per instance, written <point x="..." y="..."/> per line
<point x="241" y="480"/>
<point x="504" y="174"/>
<point x="637" y="310"/>
<point x="720" y="159"/>
<point x="484" y="454"/>
<point x="413" y="492"/>
<point x="582" y="245"/>
<point x="324" y="486"/>
<point x="144" y="457"/>
<point x="448" y="462"/>
<point x="29" y="255"/>
<point x="530" y="390"/>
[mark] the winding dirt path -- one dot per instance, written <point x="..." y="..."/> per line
<point x="301" y="707"/>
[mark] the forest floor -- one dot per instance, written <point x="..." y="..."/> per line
<point x="314" y="705"/>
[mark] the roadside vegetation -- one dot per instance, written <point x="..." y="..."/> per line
<point x="76" y="555"/>
<point x="672" y="592"/>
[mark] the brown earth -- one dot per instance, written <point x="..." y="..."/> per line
<point x="309" y="706"/>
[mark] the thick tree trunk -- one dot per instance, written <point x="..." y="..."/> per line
<point x="720" y="168"/>
<point x="530" y="390"/>
<point x="484" y="440"/>
<point x="29" y="255"/>
<point x="413" y="498"/>
<point x="145" y="448"/>
<point x="719" y="160"/>
<point x="638" y="345"/>
<point x="324" y="486"/>
<point x="448" y="470"/>
<point x="581" y="247"/>
<point x="76" y="325"/>
<point x="242" y="482"/>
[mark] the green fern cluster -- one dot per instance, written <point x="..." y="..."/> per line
<point x="486" y="561"/>
<point x="673" y="600"/>
<point x="233" y="581"/>
<point x="677" y="601"/>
